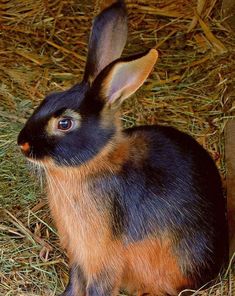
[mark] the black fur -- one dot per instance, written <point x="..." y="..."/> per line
<point x="103" y="285"/>
<point x="178" y="189"/>
<point x="118" y="218"/>
<point x="76" y="275"/>
<point x="174" y="187"/>
<point x="111" y="16"/>
<point x="182" y="191"/>
<point x="78" y="146"/>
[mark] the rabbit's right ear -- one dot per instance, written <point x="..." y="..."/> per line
<point x="107" y="39"/>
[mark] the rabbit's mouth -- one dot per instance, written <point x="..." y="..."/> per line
<point x="44" y="162"/>
<point x="28" y="152"/>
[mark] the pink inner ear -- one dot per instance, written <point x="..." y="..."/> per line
<point x="124" y="82"/>
<point x="126" y="77"/>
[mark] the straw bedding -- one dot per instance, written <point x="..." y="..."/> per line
<point x="43" y="49"/>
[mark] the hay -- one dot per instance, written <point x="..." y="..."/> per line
<point x="43" y="48"/>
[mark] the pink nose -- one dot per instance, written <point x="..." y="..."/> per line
<point x="25" y="147"/>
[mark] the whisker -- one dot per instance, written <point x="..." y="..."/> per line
<point x="37" y="168"/>
<point x="54" y="182"/>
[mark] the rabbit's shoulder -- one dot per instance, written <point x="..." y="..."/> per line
<point x="163" y="147"/>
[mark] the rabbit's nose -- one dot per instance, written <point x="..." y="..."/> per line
<point x="25" y="147"/>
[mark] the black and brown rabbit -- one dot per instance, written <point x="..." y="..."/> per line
<point x="140" y="209"/>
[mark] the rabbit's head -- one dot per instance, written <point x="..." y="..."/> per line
<point x="71" y="127"/>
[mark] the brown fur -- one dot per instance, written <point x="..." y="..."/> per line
<point x="148" y="266"/>
<point x="113" y="210"/>
<point x="82" y="224"/>
<point x="139" y="149"/>
<point x="152" y="268"/>
<point x="120" y="153"/>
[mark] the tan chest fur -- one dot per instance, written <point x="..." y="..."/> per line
<point x="82" y="224"/>
<point x="83" y="220"/>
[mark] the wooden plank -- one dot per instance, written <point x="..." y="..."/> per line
<point x="230" y="164"/>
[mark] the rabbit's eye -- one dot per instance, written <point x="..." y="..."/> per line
<point x="65" y="124"/>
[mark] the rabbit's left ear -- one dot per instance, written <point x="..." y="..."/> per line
<point x="107" y="39"/>
<point x="124" y="76"/>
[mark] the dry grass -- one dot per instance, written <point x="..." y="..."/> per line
<point x="43" y="48"/>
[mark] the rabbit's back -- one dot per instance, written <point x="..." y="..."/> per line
<point x="168" y="186"/>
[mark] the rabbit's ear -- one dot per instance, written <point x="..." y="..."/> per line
<point x="126" y="76"/>
<point x="107" y="39"/>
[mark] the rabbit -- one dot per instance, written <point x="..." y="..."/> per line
<point x="140" y="209"/>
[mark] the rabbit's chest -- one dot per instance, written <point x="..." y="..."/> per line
<point x="82" y="225"/>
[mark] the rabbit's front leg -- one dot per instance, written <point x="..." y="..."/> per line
<point x="105" y="284"/>
<point x="77" y="283"/>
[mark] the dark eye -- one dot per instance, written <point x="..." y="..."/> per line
<point x="65" y="124"/>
